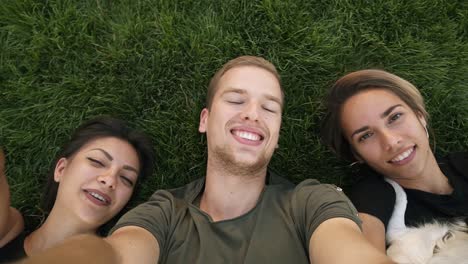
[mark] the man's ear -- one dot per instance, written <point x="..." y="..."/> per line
<point x="203" y="120"/>
<point x="60" y="169"/>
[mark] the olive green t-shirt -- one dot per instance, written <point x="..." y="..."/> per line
<point x="276" y="230"/>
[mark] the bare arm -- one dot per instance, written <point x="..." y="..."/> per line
<point x="134" y="244"/>
<point x="374" y="230"/>
<point x="4" y="196"/>
<point x="11" y="221"/>
<point x="126" y="245"/>
<point x="339" y="240"/>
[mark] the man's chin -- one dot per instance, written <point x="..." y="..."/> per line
<point x="242" y="164"/>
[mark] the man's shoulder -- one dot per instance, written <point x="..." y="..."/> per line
<point x="314" y="188"/>
<point x="276" y="178"/>
<point x="187" y="192"/>
<point x="310" y="186"/>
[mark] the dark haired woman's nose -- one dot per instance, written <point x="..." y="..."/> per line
<point x="108" y="179"/>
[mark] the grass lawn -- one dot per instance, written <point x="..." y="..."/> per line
<point x="149" y="62"/>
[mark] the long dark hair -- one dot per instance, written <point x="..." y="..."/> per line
<point x="96" y="128"/>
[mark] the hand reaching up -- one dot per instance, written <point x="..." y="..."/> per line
<point x="2" y="165"/>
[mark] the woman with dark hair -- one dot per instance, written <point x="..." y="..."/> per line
<point x="92" y="180"/>
<point x="379" y="120"/>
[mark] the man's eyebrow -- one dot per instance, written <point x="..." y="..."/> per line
<point x="274" y="98"/>
<point x="108" y="156"/>
<point x="389" y="110"/>
<point x="235" y="90"/>
<point x="242" y="91"/>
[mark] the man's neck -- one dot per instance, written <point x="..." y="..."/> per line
<point x="228" y="195"/>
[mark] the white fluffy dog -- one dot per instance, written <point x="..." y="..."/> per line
<point x="432" y="243"/>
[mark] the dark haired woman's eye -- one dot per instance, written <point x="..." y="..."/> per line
<point x="127" y="181"/>
<point x="96" y="162"/>
<point x="395" y="117"/>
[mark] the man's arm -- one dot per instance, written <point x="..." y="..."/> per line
<point x="339" y="240"/>
<point x="134" y="244"/>
<point x="374" y="230"/>
<point x="11" y="221"/>
<point x="128" y="244"/>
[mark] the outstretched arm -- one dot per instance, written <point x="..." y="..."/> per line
<point x="11" y="221"/>
<point x="339" y="240"/>
<point x="374" y="230"/>
<point x="129" y="244"/>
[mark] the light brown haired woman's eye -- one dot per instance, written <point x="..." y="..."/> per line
<point x="395" y="117"/>
<point x="364" y="136"/>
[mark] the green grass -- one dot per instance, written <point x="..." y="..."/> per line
<point x="149" y="62"/>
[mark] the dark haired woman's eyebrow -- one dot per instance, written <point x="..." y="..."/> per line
<point x="130" y="168"/>
<point x="108" y="156"/>
<point x="389" y="110"/>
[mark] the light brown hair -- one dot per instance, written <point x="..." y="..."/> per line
<point x="239" y="62"/>
<point x="354" y="83"/>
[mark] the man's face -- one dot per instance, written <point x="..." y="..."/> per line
<point x="243" y="124"/>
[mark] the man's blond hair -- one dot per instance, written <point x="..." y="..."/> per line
<point x="240" y="62"/>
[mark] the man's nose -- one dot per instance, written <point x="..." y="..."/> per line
<point x="250" y="111"/>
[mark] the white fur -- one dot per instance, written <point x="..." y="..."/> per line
<point x="432" y="243"/>
<point x="396" y="225"/>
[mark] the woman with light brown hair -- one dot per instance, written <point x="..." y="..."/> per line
<point x="377" y="119"/>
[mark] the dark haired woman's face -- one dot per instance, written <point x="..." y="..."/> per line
<point x="97" y="182"/>
<point x="386" y="133"/>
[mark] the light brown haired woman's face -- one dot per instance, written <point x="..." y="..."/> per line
<point x="385" y="133"/>
<point x="97" y="181"/>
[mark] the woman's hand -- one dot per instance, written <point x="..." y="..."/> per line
<point x="11" y="221"/>
<point x="2" y="166"/>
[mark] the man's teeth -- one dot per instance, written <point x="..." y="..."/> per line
<point x="99" y="197"/>
<point x="247" y="135"/>
<point x="403" y="155"/>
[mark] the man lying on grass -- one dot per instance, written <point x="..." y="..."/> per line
<point x="239" y="212"/>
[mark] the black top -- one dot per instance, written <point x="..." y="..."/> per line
<point x="374" y="196"/>
<point x="13" y="250"/>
